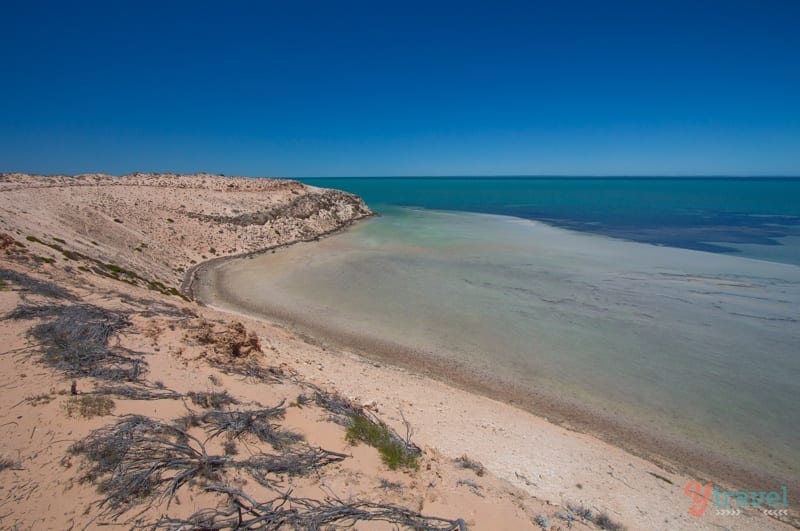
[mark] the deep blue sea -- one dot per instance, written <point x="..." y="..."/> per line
<point x="752" y="217"/>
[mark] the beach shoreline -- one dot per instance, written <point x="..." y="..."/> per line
<point x="190" y="278"/>
<point x="663" y="449"/>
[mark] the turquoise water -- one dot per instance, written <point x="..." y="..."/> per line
<point x="668" y="347"/>
<point x="757" y="217"/>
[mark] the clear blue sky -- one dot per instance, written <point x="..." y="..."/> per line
<point x="296" y="88"/>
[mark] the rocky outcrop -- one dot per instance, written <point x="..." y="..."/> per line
<point x="333" y="202"/>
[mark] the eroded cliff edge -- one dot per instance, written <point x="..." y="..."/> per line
<point x="120" y="227"/>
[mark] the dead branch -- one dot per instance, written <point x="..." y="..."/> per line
<point x="141" y="460"/>
<point x="211" y="400"/>
<point x="264" y="468"/>
<point x="146" y="460"/>
<point x="138" y="392"/>
<point x="9" y="464"/>
<point x="251" y="371"/>
<point x="236" y="424"/>
<point x="287" y="512"/>
<point x="75" y="340"/>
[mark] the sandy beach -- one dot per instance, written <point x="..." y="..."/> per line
<point x="131" y="246"/>
<point x="415" y="317"/>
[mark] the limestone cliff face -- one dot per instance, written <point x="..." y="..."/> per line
<point x="158" y="226"/>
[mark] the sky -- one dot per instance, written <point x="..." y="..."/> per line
<point x="346" y="88"/>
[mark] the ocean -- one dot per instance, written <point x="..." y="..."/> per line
<point x="752" y="217"/>
<point x="660" y="314"/>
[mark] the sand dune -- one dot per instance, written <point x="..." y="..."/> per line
<point x="159" y="225"/>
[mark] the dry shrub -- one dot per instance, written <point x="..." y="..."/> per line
<point x="89" y="406"/>
<point x="75" y="340"/>
<point x="228" y="343"/>
<point x="211" y="400"/>
<point x="40" y="399"/>
<point x="470" y="464"/>
<point x="6" y="241"/>
<point x="235" y="342"/>
<point x="7" y="463"/>
<point x="288" y="512"/>
<point x="139" y="460"/>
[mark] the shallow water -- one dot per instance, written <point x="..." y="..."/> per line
<point x="750" y="217"/>
<point x="687" y="346"/>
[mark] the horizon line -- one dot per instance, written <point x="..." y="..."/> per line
<point x="421" y="176"/>
<point x="544" y="176"/>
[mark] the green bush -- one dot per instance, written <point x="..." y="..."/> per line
<point x="394" y="453"/>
